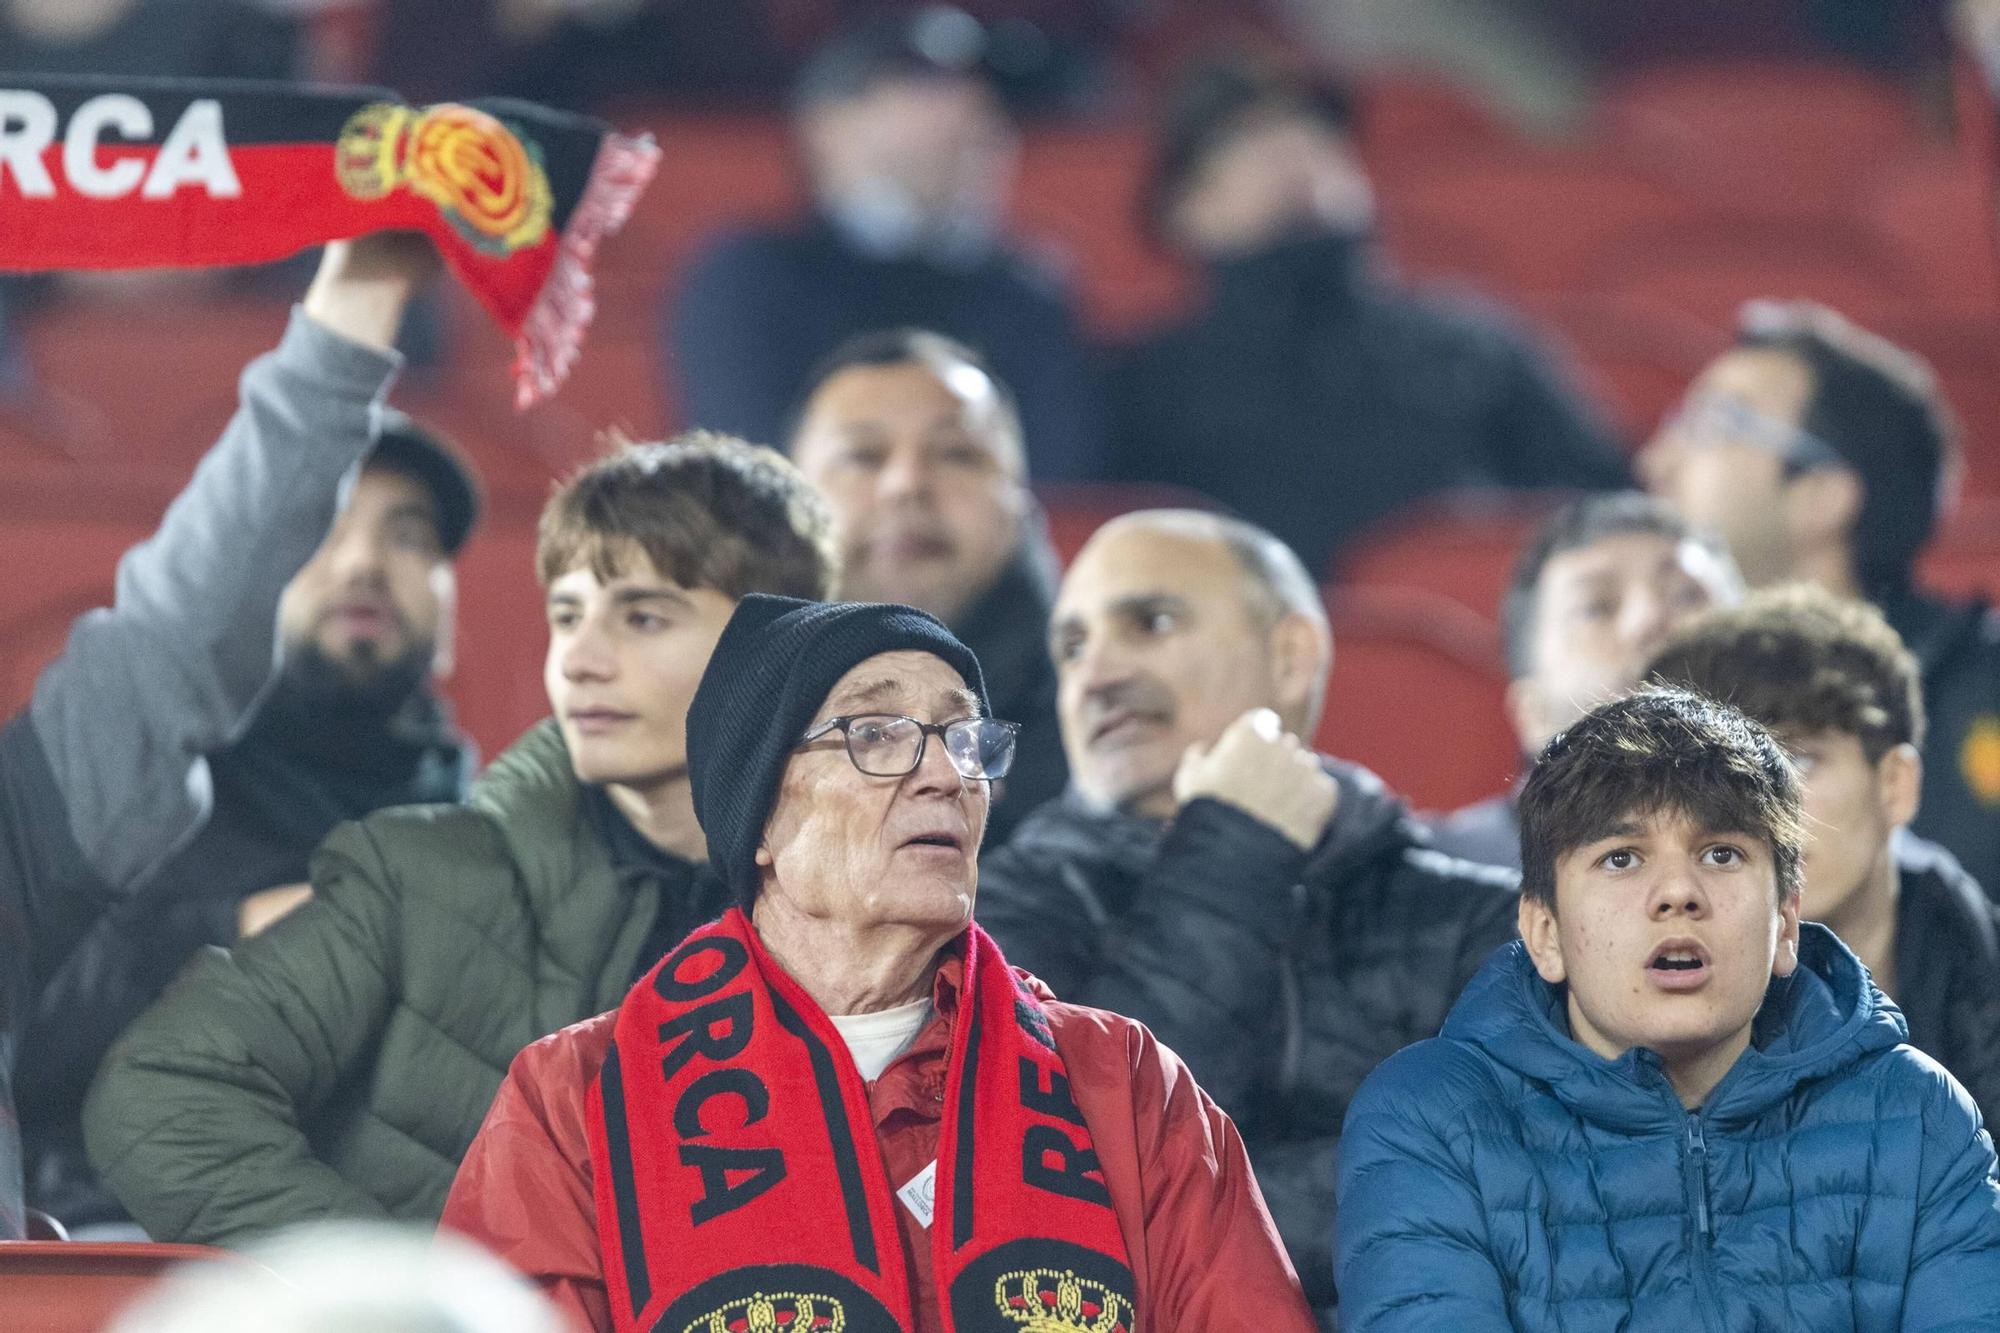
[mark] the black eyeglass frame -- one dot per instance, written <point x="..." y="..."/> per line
<point x="925" y="730"/>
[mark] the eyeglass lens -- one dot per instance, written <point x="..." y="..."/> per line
<point x="892" y="746"/>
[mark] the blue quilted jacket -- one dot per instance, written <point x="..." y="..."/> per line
<point x="1502" y="1176"/>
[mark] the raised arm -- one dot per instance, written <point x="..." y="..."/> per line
<point x="174" y="668"/>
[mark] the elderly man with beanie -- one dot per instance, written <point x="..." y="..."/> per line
<point x="837" y="1107"/>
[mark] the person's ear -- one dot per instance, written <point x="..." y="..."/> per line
<point x="444" y="649"/>
<point x="1822" y="506"/>
<point x="1786" y="960"/>
<point x="1301" y="656"/>
<point x="763" y="858"/>
<point x="1536" y="921"/>
<point x="1899" y="784"/>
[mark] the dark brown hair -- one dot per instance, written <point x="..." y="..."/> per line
<point x="1659" y="750"/>
<point x="1801" y="661"/>
<point x="709" y="510"/>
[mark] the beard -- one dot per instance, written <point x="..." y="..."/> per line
<point x="364" y="682"/>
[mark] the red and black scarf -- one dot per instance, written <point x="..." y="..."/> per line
<point x="740" y="1188"/>
<point x="99" y="173"/>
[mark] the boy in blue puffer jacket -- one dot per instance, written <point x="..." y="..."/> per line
<point x="1670" y="1106"/>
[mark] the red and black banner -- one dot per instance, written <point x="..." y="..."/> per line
<point x="99" y="173"/>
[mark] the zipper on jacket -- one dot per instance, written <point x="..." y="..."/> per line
<point x="1694" y="1169"/>
<point x="1694" y="1179"/>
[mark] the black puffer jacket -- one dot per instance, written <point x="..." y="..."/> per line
<point x="1948" y="968"/>
<point x="1281" y="978"/>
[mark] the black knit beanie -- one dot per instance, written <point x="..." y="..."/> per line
<point x="777" y="660"/>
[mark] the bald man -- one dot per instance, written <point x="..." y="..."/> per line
<point x="1272" y="914"/>
<point x="917" y="447"/>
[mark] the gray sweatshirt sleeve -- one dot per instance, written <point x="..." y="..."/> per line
<point x="175" y="667"/>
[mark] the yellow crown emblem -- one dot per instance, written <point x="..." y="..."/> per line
<point x="777" y="1312"/>
<point x="1047" y="1300"/>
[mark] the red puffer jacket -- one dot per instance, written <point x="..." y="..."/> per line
<point x="1204" y="1253"/>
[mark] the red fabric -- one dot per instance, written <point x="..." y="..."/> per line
<point x="728" y="1134"/>
<point x="112" y="173"/>
<point x="1204" y="1255"/>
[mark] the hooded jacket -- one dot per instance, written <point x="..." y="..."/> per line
<point x="1505" y="1177"/>
<point x="338" y="1064"/>
<point x="1281" y="977"/>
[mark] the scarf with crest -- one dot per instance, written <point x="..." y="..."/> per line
<point x="740" y="1188"/>
<point x="114" y="173"/>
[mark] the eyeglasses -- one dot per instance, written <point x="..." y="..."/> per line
<point x="1712" y="416"/>
<point x="888" y="745"/>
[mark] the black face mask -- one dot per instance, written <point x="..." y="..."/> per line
<point x="1302" y="272"/>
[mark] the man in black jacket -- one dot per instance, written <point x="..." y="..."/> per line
<point x="351" y="725"/>
<point x="917" y="447"/>
<point x="1834" y="683"/>
<point x="1819" y="451"/>
<point x="908" y="154"/>
<point x="1272" y="914"/>
<point x="1308" y="393"/>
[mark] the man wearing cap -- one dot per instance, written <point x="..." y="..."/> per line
<point x="909" y="155"/>
<point x="838" y="1107"/>
<point x="351" y="725"/>
<point x="1309" y="394"/>
<point x="109" y="770"/>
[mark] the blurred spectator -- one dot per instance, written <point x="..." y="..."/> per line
<point x="917" y="448"/>
<point x="1593" y="596"/>
<point x="351" y="725"/>
<point x="1271" y="914"/>
<point x="103" y="775"/>
<point x="1834" y="684"/>
<point x="910" y="158"/>
<point x="1821" y="452"/>
<point x="346" y="1277"/>
<point x="339" y="1064"/>
<point x="195" y="39"/>
<point x="1309" y="394"/>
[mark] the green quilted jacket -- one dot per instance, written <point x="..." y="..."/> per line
<point x="339" y="1064"/>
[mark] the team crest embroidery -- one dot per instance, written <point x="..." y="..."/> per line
<point x="776" y="1312"/>
<point x="1037" y="1285"/>
<point x="1043" y="1300"/>
<point x="483" y="177"/>
<point x="1979" y="759"/>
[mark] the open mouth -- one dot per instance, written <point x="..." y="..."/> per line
<point x="947" y="841"/>
<point x="1677" y="964"/>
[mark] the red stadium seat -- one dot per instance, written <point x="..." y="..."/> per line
<point x="1079" y="509"/>
<point x="71" y="1287"/>
<point x="1935" y="212"/>
<point x="1543" y="217"/>
<point x="1418" y="695"/>
<point x="1460" y="548"/>
<point x="1777" y="140"/>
